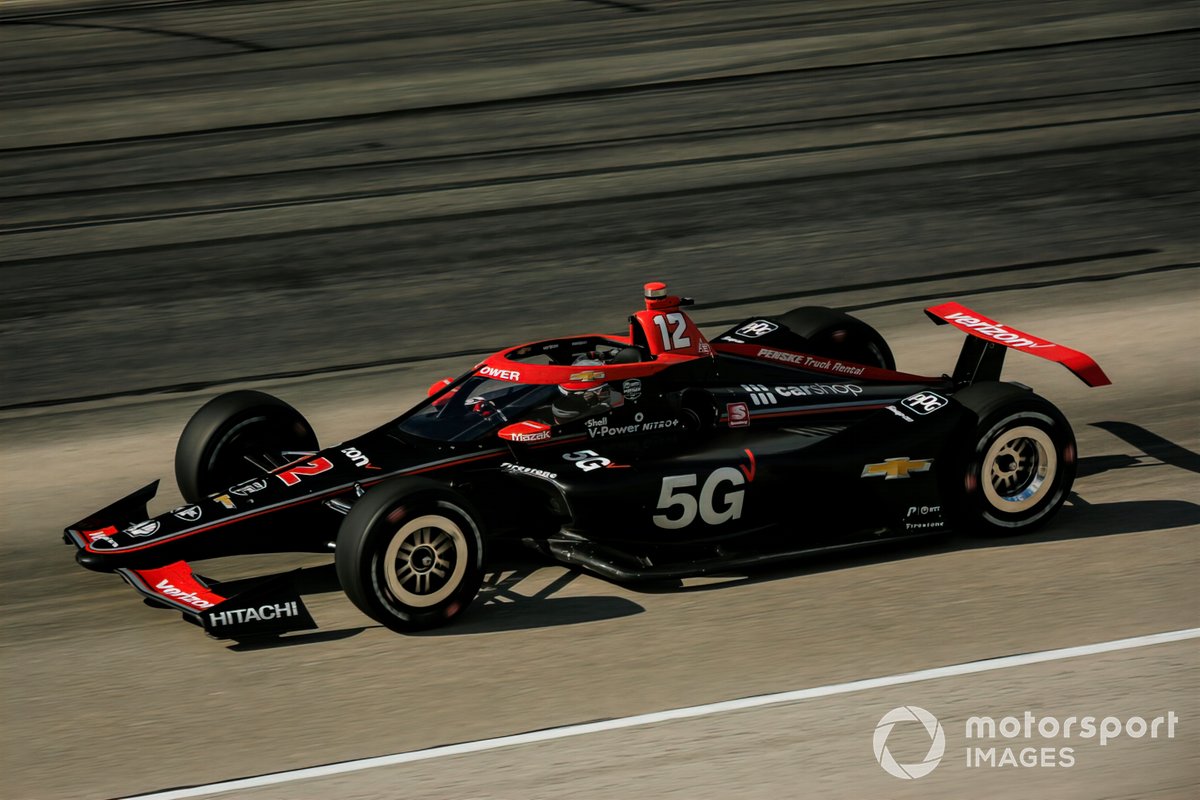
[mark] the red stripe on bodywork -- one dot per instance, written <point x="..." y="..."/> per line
<point x="300" y="501"/>
<point x="503" y="367"/>
<point x="848" y="370"/>
<point x="823" y="410"/>
<point x="752" y="470"/>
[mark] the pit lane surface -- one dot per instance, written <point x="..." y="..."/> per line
<point x="198" y="194"/>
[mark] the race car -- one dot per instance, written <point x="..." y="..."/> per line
<point x="658" y="454"/>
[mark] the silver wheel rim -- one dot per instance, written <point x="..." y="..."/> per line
<point x="426" y="560"/>
<point x="1019" y="469"/>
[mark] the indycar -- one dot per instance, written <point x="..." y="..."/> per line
<point x="657" y="454"/>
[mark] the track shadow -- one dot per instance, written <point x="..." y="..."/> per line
<point x="1078" y="519"/>
<point x="499" y="607"/>
<point x="292" y="640"/>
<point x="1152" y="444"/>
<point x="307" y="580"/>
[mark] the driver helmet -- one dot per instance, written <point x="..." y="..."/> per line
<point x="580" y="399"/>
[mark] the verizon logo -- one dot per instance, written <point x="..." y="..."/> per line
<point x="994" y="331"/>
<point x="165" y="587"/>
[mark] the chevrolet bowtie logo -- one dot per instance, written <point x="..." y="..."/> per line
<point x="896" y="468"/>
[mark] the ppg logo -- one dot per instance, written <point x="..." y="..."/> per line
<point x="924" y="402"/>
<point x="760" y="327"/>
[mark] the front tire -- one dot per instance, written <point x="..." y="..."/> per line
<point x="1017" y="463"/>
<point x="231" y="434"/>
<point x="410" y="554"/>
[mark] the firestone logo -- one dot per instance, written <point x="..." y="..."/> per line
<point x="937" y="745"/>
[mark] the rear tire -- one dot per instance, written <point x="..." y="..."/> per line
<point x="1015" y="465"/>
<point x="836" y="334"/>
<point x="213" y="448"/>
<point x="410" y="554"/>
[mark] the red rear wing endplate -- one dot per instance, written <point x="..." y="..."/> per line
<point x="975" y="324"/>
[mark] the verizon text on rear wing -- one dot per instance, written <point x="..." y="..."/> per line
<point x="982" y="357"/>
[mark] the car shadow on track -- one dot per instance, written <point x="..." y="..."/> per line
<point x="1151" y="445"/>
<point x="500" y="605"/>
<point x="1078" y="519"/>
<point x="314" y="637"/>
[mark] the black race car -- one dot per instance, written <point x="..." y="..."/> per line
<point x="659" y="454"/>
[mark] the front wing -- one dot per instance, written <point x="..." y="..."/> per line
<point x="268" y="608"/>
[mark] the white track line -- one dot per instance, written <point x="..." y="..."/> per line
<point x="969" y="668"/>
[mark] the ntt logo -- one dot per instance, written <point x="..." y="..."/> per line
<point x="937" y="744"/>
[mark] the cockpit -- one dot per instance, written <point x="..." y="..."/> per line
<point x="492" y="397"/>
<point x="556" y="382"/>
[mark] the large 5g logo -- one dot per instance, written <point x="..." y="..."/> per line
<point x="674" y="494"/>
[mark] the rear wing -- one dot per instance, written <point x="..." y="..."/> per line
<point x="982" y="355"/>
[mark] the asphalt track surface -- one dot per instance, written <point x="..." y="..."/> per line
<point x="340" y="202"/>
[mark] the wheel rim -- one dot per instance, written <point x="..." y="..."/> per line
<point x="1019" y="469"/>
<point x="426" y="560"/>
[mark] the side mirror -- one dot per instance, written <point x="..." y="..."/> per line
<point x="438" y="386"/>
<point x="525" y="432"/>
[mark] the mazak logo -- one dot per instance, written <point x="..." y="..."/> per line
<point x="536" y="436"/>
<point x="760" y="327"/>
<point x="937" y="742"/>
